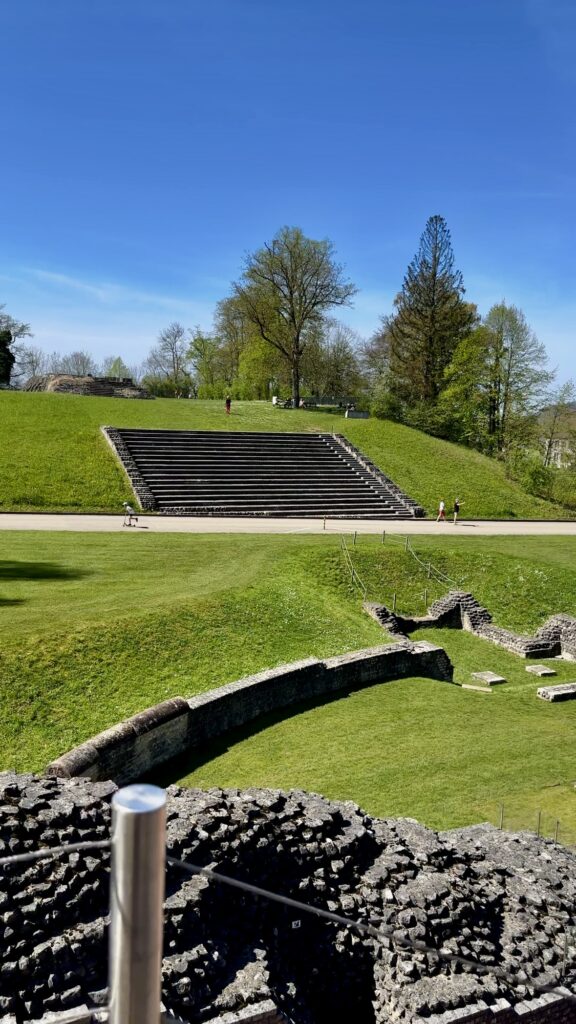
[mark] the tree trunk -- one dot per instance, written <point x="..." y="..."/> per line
<point x="295" y="382"/>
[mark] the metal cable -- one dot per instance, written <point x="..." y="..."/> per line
<point x="54" y="851"/>
<point x="382" y="932"/>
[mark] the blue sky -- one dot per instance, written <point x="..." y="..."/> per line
<point x="147" y="146"/>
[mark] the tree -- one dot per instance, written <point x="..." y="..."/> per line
<point x="114" y="366"/>
<point x="203" y="353"/>
<point x="168" y="360"/>
<point x="556" y="424"/>
<point x="10" y="331"/>
<point x="30" y="362"/>
<point x="496" y="382"/>
<point x="430" y="319"/>
<point x="286" y="290"/>
<point x="76" y="364"/>
<point x="331" y="365"/>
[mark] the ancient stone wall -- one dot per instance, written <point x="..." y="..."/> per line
<point x="460" y="610"/>
<point x="138" y="746"/>
<point x="502" y="900"/>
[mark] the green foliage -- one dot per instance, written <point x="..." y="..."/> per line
<point x="430" y="319"/>
<point x="54" y="456"/>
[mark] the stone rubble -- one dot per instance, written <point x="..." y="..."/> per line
<point x="498" y="898"/>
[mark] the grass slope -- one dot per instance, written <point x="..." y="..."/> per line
<point x="97" y="627"/>
<point x="53" y="457"/>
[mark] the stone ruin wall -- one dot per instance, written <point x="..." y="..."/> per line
<point x="460" y="610"/>
<point x="137" y="747"/>
<point x="494" y="897"/>
<point x="66" y="383"/>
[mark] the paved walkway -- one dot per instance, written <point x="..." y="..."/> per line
<point x="229" y="524"/>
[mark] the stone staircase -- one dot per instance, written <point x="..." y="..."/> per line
<point x="194" y="472"/>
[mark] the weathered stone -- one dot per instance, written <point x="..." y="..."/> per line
<point x="488" y="678"/>
<point x="540" y="670"/>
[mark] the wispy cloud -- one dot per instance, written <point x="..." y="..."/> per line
<point x="108" y="293"/>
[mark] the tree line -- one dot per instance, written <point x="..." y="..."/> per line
<point x="434" y="363"/>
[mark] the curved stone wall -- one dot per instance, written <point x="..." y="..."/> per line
<point x="499" y="899"/>
<point x="138" y="746"/>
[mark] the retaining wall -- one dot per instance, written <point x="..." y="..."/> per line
<point x="139" y="745"/>
<point x="460" y="610"/>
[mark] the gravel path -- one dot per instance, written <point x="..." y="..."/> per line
<point x="229" y="524"/>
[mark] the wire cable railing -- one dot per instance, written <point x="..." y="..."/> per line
<point x="138" y="866"/>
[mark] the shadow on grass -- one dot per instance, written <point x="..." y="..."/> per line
<point x="39" y="571"/>
<point x="4" y="601"/>
<point x="169" y="773"/>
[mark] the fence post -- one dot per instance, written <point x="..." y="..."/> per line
<point x="383" y="535"/>
<point x="538" y="821"/>
<point x="556" y="830"/>
<point x="324" y="527"/>
<point x="354" y="537"/>
<point x="136" y="904"/>
<point x="406" y="545"/>
<point x="501" y="823"/>
<point x="394" y="603"/>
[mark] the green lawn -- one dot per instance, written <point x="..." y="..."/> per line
<point x="54" y="458"/>
<point x="98" y="626"/>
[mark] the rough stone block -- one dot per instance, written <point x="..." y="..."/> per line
<point x="564" y="691"/>
<point x="489" y="678"/>
<point x="540" y="670"/>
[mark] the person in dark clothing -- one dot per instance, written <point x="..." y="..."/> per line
<point x="228" y="404"/>
<point x="456" y="510"/>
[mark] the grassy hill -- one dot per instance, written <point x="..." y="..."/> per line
<point x="97" y="627"/>
<point x="54" y="458"/>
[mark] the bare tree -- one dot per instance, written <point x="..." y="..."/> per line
<point x="30" y="362"/>
<point x="557" y="424"/>
<point x="77" y="364"/>
<point x="287" y="289"/>
<point x="168" y="360"/>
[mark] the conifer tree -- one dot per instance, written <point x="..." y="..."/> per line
<point x="430" y="319"/>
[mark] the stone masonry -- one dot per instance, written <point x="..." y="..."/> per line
<point x="503" y="900"/>
<point x="460" y="610"/>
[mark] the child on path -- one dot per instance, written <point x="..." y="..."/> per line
<point x="129" y="514"/>
<point x="441" y="511"/>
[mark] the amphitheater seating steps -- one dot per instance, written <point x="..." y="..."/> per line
<point x="195" y="472"/>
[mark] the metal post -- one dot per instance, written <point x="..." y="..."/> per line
<point x="556" y="831"/>
<point x="354" y="537"/>
<point x="324" y="527"/>
<point x="501" y="823"/>
<point x="406" y="545"/>
<point x="136" y="904"/>
<point x="394" y="603"/>
<point x="538" y="820"/>
<point x="383" y="535"/>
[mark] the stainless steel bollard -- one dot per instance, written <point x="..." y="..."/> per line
<point x="136" y="904"/>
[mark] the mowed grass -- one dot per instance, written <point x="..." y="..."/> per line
<point x="425" y="749"/>
<point x="54" y="458"/>
<point x="97" y="627"/>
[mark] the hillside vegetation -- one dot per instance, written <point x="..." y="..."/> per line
<point x="97" y="627"/>
<point x="54" y="458"/>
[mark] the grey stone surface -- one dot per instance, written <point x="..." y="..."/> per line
<point x="139" y="745"/>
<point x="540" y="670"/>
<point x="488" y="678"/>
<point x="501" y="899"/>
<point x="563" y="691"/>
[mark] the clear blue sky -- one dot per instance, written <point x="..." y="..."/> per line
<point x="147" y="145"/>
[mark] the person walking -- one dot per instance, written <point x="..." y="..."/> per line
<point x="456" y="510"/>
<point x="441" y="511"/>
<point x="228" y="404"/>
<point x="129" y="514"/>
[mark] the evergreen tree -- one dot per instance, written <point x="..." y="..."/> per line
<point x="430" y="319"/>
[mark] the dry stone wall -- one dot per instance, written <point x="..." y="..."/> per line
<point x="138" y="746"/>
<point x="460" y="610"/>
<point x="500" y="899"/>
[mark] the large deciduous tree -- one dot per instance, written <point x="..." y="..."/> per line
<point x="496" y="382"/>
<point x="430" y="319"/>
<point x="167" y="362"/>
<point x="286" y="291"/>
